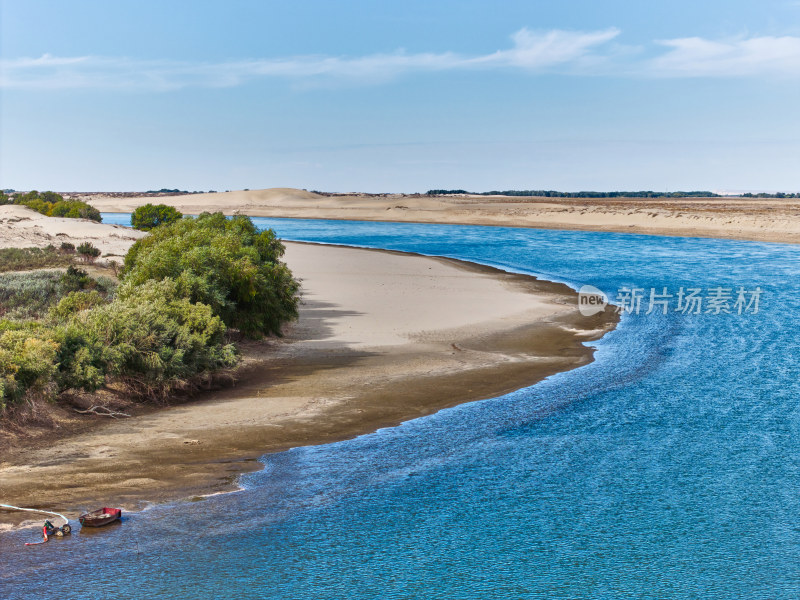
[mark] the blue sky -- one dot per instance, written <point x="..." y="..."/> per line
<point x="400" y="96"/>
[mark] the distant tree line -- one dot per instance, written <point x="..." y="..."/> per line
<point x="445" y="192"/>
<point x="641" y="194"/>
<point x="776" y="195"/>
<point x="556" y="194"/>
<point x="53" y="205"/>
<point x="177" y="192"/>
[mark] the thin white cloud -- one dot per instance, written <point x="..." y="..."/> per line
<point x="573" y="52"/>
<point x="542" y="50"/>
<point x="531" y="51"/>
<point x="744" y="57"/>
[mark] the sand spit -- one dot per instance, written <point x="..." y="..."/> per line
<point x="383" y="337"/>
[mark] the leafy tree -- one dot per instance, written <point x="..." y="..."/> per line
<point x="225" y="263"/>
<point x="149" y="216"/>
<point x="51" y="197"/>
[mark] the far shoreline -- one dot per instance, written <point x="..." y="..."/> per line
<point x="746" y="219"/>
<point x="544" y="227"/>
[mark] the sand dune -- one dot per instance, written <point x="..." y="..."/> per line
<point x="748" y="219"/>
<point x="228" y="202"/>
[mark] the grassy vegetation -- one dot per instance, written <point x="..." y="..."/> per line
<point x="162" y="328"/>
<point x="28" y="295"/>
<point x="32" y="295"/>
<point x="24" y="259"/>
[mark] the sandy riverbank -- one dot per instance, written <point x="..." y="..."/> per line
<point x="768" y="220"/>
<point x="382" y="337"/>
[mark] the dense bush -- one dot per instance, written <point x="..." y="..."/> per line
<point x="149" y="216"/>
<point x="153" y="338"/>
<point x="161" y="329"/>
<point x="149" y="338"/>
<point x="46" y="363"/>
<point x="54" y="205"/>
<point x="225" y="263"/>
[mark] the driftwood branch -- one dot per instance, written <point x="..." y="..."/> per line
<point x="102" y="411"/>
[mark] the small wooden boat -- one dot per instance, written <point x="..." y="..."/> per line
<point x="100" y="517"/>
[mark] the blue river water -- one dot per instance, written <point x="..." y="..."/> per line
<point x="667" y="468"/>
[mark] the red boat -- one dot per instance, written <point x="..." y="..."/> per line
<point x="100" y="517"/>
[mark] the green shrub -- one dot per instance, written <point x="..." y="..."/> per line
<point x="74" y="209"/>
<point x="67" y="247"/>
<point x="88" y="252"/>
<point x="28" y="362"/>
<point x="149" y="216"/>
<point x="152" y="338"/>
<point x="75" y="302"/>
<point x="149" y="338"/>
<point x="75" y="279"/>
<point x="224" y="263"/>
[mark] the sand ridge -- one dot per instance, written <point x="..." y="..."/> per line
<point x="22" y="227"/>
